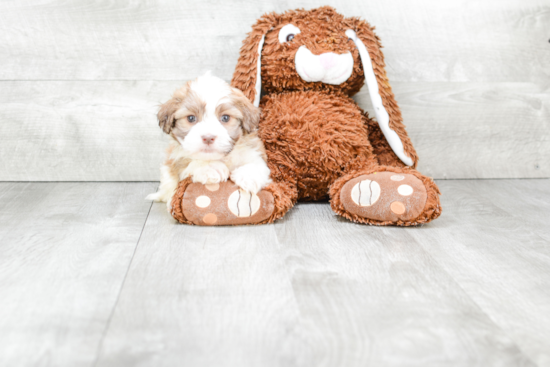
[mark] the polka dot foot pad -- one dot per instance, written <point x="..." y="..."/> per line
<point x="385" y="196"/>
<point x="225" y="204"/>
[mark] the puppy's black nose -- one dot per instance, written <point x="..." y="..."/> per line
<point x="208" y="139"/>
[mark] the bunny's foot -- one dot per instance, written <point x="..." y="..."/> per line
<point x="394" y="196"/>
<point x="225" y="203"/>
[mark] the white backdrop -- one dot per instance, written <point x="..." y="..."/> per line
<point x="80" y="82"/>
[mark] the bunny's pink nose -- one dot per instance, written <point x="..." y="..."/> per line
<point x="328" y="60"/>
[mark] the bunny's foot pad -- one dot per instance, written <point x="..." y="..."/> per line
<point x="385" y="196"/>
<point x="222" y="204"/>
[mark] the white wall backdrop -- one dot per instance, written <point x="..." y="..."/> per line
<point x="80" y="82"/>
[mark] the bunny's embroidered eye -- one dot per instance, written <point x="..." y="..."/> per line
<point x="288" y="32"/>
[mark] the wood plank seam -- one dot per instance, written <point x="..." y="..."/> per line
<point x="476" y="304"/>
<point x="107" y="325"/>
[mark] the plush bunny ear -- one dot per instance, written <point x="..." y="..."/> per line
<point x="247" y="76"/>
<point x="386" y="110"/>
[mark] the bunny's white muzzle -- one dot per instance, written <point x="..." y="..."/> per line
<point x="329" y="68"/>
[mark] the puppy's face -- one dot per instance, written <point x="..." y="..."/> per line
<point x="207" y="117"/>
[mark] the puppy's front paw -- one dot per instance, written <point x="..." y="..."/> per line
<point x="251" y="178"/>
<point x="216" y="172"/>
<point x="206" y="175"/>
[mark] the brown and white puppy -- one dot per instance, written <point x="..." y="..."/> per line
<point x="213" y="137"/>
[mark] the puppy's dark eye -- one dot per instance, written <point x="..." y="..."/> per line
<point x="290" y="37"/>
<point x="225" y="118"/>
<point x="191" y="118"/>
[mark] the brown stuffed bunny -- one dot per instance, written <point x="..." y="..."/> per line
<point x="319" y="143"/>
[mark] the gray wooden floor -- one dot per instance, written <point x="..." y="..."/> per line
<point x="93" y="275"/>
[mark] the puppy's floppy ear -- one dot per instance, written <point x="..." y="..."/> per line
<point x="166" y="114"/>
<point x="251" y="113"/>
<point x="247" y="72"/>
<point x="386" y="109"/>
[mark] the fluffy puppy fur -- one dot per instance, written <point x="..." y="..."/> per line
<point x="212" y="127"/>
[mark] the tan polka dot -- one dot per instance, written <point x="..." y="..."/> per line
<point x="397" y="207"/>
<point x="405" y="190"/>
<point x="212" y="187"/>
<point x="397" y="178"/>
<point x="210" y="219"/>
<point x="202" y="201"/>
